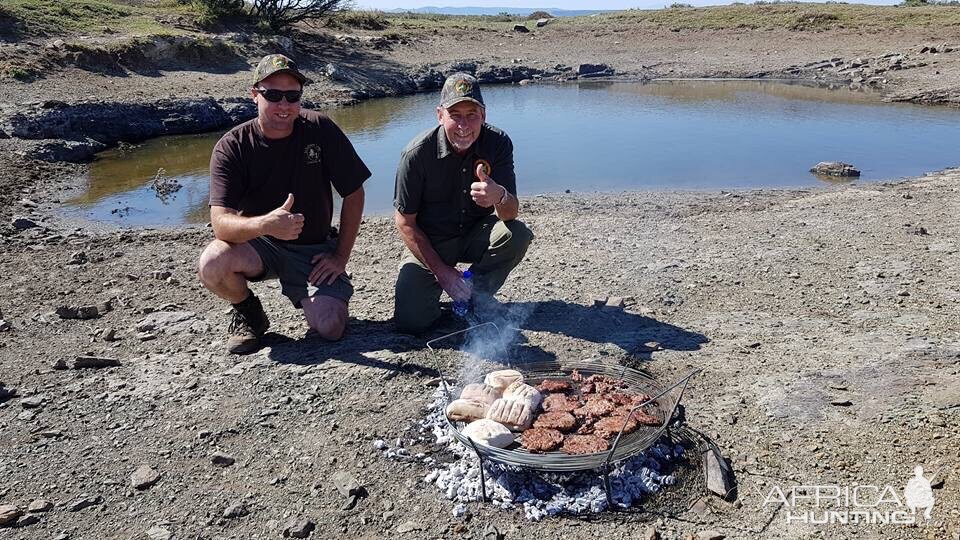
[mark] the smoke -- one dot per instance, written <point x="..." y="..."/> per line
<point x="498" y="326"/>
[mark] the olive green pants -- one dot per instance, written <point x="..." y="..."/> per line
<point x="492" y="247"/>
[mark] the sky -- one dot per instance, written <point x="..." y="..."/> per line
<point x="559" y="4"/>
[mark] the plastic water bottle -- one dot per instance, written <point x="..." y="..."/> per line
<point x="460" y="307"/>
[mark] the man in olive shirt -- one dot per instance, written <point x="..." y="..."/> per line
<point x="455" y="201"/>
<point x="271" y="206"/>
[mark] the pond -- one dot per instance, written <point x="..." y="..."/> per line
<point x="586" y="137"/>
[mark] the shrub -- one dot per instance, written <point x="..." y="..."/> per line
<point x="364" y="20"/>
<point x="539" y="15"/>
<point x="677" y="5"/>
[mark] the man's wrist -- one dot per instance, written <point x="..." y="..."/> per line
<point x="503" y="198"/>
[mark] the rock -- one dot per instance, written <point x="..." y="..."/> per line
<point x="236" y="510"/>
<point x="5" y="326"/>
<point x="27" y="520"/>
<point x="222" y="460"/>
<point x="32" y="402"/>
<point x="700" y="507"/>
<point x="599" y="301"/>
<point x="594" y="70"/>
<point x="6" y="393"/>
<point x="84" y="501"/>
<point x="9" y="514"/>
<point x="298" y="528"/>
<point x="650" y="533"/>
<point x="718" y="473"/>
<point x="542" y="22"/>
<point x="40" y="505"/>
<point x="491" y="532"/>
<point x="172" y="322"/>
<point x="110" y="335"/>
<point x="710" y="535"/>
<point x="834" y="168"/>
<point x="409" y="526"/>
<point x="144" y="477"/>
<point x="22" y="223"/>
<point x="522" y="28"/>
<point x="919" y="231"/>
<point x="78" y="257"/>
<point x="841" y="402"/>
<point x="346" y="484"/>
<point x="81" y="312"/>
<point x="615" y="302"/>
<point x="159" y="533"/>
<point x="94" y="362"/>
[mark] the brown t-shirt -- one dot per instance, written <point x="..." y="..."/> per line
<point x="253" y="174"/>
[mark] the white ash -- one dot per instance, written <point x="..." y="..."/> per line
<point x="539" y="494"/>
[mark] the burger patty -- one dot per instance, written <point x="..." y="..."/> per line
<point x="609" y="427"/>
<point x="559" y="403"/>
<point x="541" y="439"/>
<point x="562" y="421"/>
<point x="595" y="408"/>
<point x="640" y="415"/>
<point x="584" y="444"/>
<point x="553" y="385"/>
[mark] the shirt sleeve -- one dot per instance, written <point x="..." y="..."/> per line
<point x="342" y="165"/>
<point x="502" y="165"/>
<point x="408" y="190"/>
<point x="226" y="175"/>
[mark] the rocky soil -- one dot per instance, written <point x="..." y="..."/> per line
<point x="824" y="322"/>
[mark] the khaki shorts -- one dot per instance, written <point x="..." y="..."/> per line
<point x="291" y="264"/>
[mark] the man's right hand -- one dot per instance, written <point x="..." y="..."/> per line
<point x="281" y="223"/>
<point x="451" y="280"/>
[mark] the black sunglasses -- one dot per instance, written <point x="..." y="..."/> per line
<point x="273" y="95"/>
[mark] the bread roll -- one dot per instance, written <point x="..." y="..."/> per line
<point x="503" y="378"/>
<point x="466" y="410"/>
<point x="488" y="432"/>
<point x="520" y="391"/>
<point x="483" y="393"/>
<point x="516" y="415"/>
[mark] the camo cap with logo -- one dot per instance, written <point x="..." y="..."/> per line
<point x="277" y="63"/>
<point x="460" y="87"/>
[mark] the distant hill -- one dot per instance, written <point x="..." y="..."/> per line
<point x="497" y="10"/>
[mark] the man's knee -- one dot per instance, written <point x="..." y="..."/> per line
<point x="328" y="320"/>
<point x="416" y="306"/>
<point x="213" y="264"/>
<point x="516" y="238"/>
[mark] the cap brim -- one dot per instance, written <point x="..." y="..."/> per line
<point x="451" y="102"/>
<point x="296" y="75"/>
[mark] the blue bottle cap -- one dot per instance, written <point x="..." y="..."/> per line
<point x="467" y="274"/>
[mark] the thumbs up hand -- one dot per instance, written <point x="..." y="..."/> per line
<point x="281" y="223"/>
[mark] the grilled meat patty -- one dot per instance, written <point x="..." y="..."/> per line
<point x="584" y="444"/>
<point x="541" y="439"/>
<point x="562" y="421"/>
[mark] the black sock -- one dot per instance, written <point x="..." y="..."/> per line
<point x="250" y="304"/>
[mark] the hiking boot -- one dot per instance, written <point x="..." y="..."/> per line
<point x="247" y="326"/>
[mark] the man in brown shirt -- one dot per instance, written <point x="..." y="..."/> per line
<point x="271" y="207"/>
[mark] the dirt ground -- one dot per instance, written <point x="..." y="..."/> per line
<point x="824" y="321"/>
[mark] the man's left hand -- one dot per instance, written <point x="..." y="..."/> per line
<point x="327" y="268"/>
<point x="485" y="192"/>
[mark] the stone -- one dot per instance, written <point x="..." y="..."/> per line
<point x="22" y="223"/>
<point x="835" y="168"/>
<point x="159" y="533"/>
<point x="32" y="402"/>
<point x="222" y="460"/>
<point x="144" y="477"/>
<point x="27" y="520"/>
<point x="9" y="514"/>
<point x="409" y="526"/>
<point x="599" y="301"/>
<point x="841" y="402"/>
<point x="700" y="507"/>
<point x="40" y="505"/>
<point x="346" y="484"/>
<point x="94" y="362"/>
<point x="521" y="28"/>
<point x="542" y="22"/>
<point x="594" y="70"/>
<point x="84" y="501"/>
<point x="710" y="535"/>
<point x="615" y="302"/>
<point x="6" y="393"/>
<point x="172" y="322"/>
<point x="651" y="533"/>
<point x="110" y="335"/>
<point x="718" y="473"/>
<point x="298" y="528"/>
<point x="236" y="510"/>
<point x="80" y="312"/>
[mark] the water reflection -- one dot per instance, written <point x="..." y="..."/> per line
<point x="589" y="137"/>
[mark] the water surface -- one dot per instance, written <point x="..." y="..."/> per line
<point x="589" y="137"/>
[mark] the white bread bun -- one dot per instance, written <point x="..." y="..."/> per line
<point x="520" y="391"/>
<point x="503" y="378"/>
<point x="466" y="410"/>
<point x="490" y="433"/>
<point x="516" y="415"/>
<point x="483" y="393"/>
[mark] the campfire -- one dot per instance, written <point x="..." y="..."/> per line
<point x="555" y="437"/>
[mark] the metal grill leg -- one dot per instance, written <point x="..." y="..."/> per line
<point x="483" y="478"/>
<point x="607" y="489"/>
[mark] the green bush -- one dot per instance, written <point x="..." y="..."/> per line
<point x="539" y="15"/>
<point x="364" y="20"/>
<point x="677" y="5"/>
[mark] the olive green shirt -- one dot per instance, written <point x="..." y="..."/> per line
<point x="433" y="181"/>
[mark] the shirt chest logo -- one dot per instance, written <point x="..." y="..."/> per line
<point x="312" y="154"/>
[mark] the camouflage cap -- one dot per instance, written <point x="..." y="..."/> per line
<point x="277" y="63"/>
<point x="460" y="87"/>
